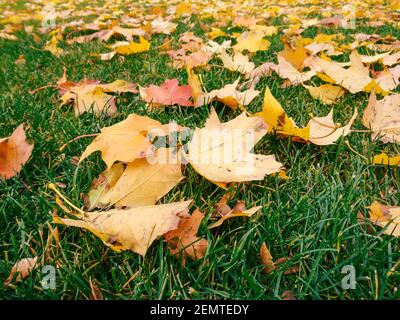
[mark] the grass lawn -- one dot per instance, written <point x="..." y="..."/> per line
<point x="310" y="218"/>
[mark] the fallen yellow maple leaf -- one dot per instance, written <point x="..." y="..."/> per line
<point x="221" y="151"/>
<point x="323" y="131"/>
<point x="132" y="229"/>
<point x="215" y="33"/>
<point x="238" y="62"/>
<point x="93" y="99"/>
<point x="354" y="79"/>
<point x="126" y="140"/>
<point x="326" y="93"/>
<point x="133" y="47"/>
<point x="142" y="183"/>
<point x="235" y="213"/>
<point x="287" y="71"/>
<point x="252" y="41"/>
<point x="319" y="130"/>
<point x="383" y="158"/>
<point x="383" y="118"/>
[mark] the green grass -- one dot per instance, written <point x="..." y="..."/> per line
<point x="311" y="218"/>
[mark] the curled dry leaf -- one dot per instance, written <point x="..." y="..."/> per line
<point x="126" y="140"/>
<point x="96" y="293"/>
<point x="323" y="131"/>
<point x="228" y="95"/>
<point x="168" y="94"/>
<point x="295" y="56"/>
<point x="383" y="118"/>
<point x="184" y="239"/>
<point x="266" y="258"/>
<point x="221" y="151"/>
<point x="132" y="229"/>
<point x="14" y="153"/>
<point x="22" y="268"/>
<point x="387" y="217"/>
<point x="91" y="95"/>
<point x="237" y="211"/>
<point x="286" y="71"/>
<point x="143" y="181"/>
<point x="255" y="76"/>
<point x="194" y="83"/>
<point x="277" y="119"/>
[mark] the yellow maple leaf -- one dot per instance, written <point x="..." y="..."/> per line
<point x="277" y="119"/>
<point x="251" y="41"/>
<point x="133" y="47"/>
<point x="383" y="158"/>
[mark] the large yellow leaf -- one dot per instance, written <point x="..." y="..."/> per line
<point x="383" y="118"/>
<point x="323" y="131"/>
<point x="221" y="151"/>
<point x="142" y="183"/>
<point x="126" y="140"/>
<point x="354" y="79"/>
<point x="132" y="229"/>
<point x="251" y="41"/>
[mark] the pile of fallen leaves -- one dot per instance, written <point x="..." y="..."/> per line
<point x="123" y="207"/>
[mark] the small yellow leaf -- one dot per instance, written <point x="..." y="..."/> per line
<point x="383" y="158"/>
<point x="133" y="47"/>
<point x="233" y="214"/>
<point x="326" y="93"/>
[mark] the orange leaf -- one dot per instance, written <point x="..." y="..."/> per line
<point x="168" y="94"/>
<point x="14" y="153"/>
